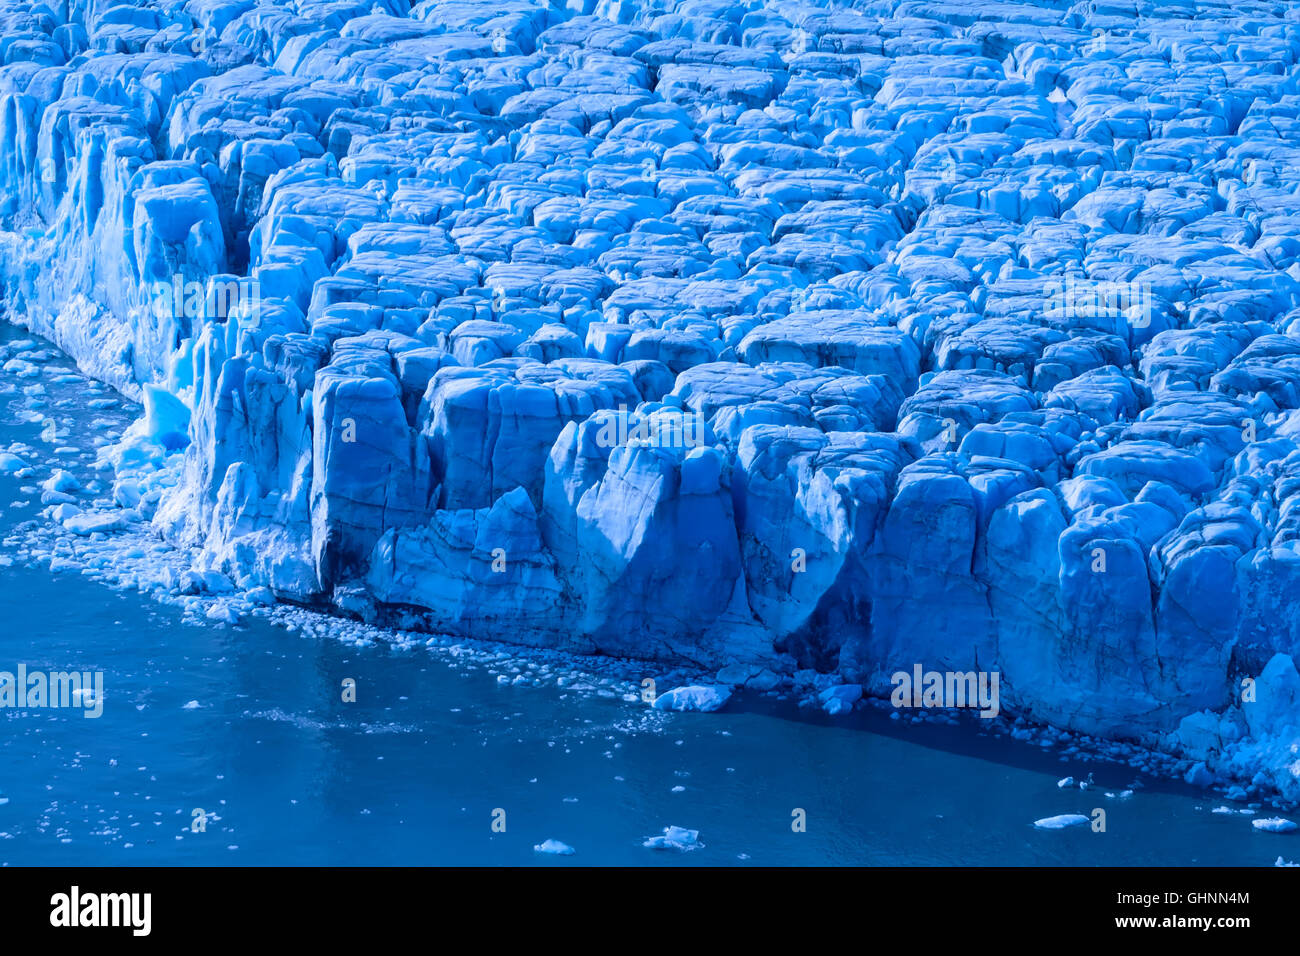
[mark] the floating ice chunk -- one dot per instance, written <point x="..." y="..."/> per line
<point x="85" y="697"/>
<point x="205" y="582"/>
<point x="63" y="512"/>
<point x="91" y="522"/>
<point x="554" y="847"/>
<point x="836" y="706"/>
<point x="841" y="698"/>
<point x="1065" y="782"/>
<point x="126" y="493"/>
<point x="1061" y="821"/>
<point x="223" y="612"/>
<point x="703" y="698"/>
<point x="62" y="482"/>
<point x="10" y="463"/>
<point x="675" y="838"/>
<point x="21" y="369"/>
<point x="1274" y="825"/>
<point x="260" y="595"/>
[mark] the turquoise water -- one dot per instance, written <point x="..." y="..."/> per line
<point x="246" y="723"/>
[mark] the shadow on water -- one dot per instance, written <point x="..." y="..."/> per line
<point x="968" y="735"/>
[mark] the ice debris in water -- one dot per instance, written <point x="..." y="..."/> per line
<point x="840" y="698"/>
<point x="1061" y="821"/>
<point x="554" y="848"/>
<point x="1274" y="825"/>
<point x="675" y="838"/>
<point x="697" y="697"/>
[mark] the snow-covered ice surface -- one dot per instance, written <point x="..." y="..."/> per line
<point x="765" y="338"/>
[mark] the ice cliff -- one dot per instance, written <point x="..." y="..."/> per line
<point x="830" y="336"/>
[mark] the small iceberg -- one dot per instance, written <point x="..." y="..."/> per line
<point x="87" y="524"/>
<point x="675" y="838"/>
<point x="1274" y="825"/>
<point x="704" y="698"/>
<point x="840" y="698"/>
<point x="61" y="482"/>
<point x="554" y="847"/>
<point x="223" y="613"/>
<point x="1061" y="821"/>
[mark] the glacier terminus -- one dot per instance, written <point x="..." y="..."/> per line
<point x="790" y="342"/>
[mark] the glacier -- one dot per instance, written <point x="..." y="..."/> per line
<point x="766" y="338"/>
